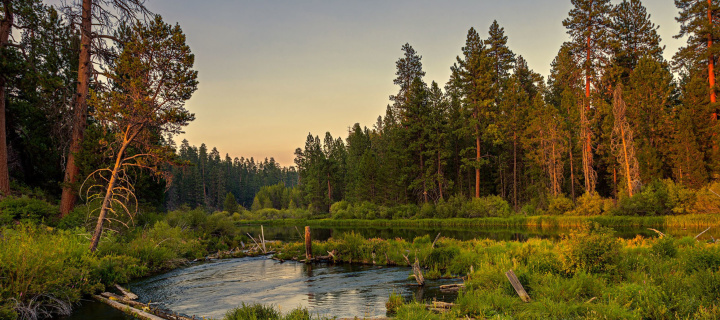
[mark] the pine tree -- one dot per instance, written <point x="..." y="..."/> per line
<point x="699" y="23"/>
<point x="632" y="35"/>
<point x="587" y="26"/>
<point x="648" y="97"/>
<point x="96" y="17"/>
<point x="408" y="68"/>
<point x="475" y="76"/>
<point x="230" y="205"/>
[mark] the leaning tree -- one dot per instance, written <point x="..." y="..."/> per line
<point x="151" y="79"/>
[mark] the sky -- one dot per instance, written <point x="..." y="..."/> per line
<point x="271" y="71"/>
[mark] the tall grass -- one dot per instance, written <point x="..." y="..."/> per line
<point x="545" y="222"/>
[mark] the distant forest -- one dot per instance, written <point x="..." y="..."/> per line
<point x="612" y="117"/>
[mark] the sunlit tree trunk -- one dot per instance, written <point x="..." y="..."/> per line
<point x="5" y="30"/>
<point x="72" y="171"/>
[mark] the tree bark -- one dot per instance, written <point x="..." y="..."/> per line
<point x="515" y="200"/>
<point x="5" y="30"/>
<point x="477" y="155"/>
<point x="108" y="196"/>
<point x="711" y="62"/>
<point x="72" y="171"/>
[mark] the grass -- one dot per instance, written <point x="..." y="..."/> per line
<point x="544" y="222"/>
<point x="588" y="274"/>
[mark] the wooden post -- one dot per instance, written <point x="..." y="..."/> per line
<point x="308" y="244"/>
<point x="517" y="285"/>
<point x="262" y="234"/>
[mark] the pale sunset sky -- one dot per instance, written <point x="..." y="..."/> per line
<point x="272" y="71"/>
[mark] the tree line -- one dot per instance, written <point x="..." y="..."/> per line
<point x="206" y="179"/>
<point x="612" y="116"/>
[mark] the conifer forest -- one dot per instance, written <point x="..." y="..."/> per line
<point x="95" y="164"/>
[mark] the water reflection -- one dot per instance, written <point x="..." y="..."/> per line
<point x="289" y="233"/>
<point x="211" y="289"/>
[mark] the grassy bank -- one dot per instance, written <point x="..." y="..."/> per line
<point x="45" y="269"/>
<point x="589" y="274"/>
<point x="680" y="221"/>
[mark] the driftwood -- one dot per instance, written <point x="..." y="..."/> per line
<point x="131" y="306"/>
<point x="699" y="234"/>
<point x="452" y="287"/>
<point x="657" y="231"/>
<point x="127" y="309"/>
<point x="517" y="285"/>
<point x="308" y="244"/>
<point x="439" y="306"/>
<point x="129" y="295"/>
<point x="262" y="235"/>
<point x="416" y="270"/>
<point x="436" y="239"/>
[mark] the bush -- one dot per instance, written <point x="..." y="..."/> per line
<point x="43" y="270"/>
<point x="664" y="247"/>
<point x="490" y="206"/>
<point x="661" y="197"/>
<point x="394" y="302"/>
<point x="592" y="251"/>
<point x="591" y="205"/>
<point x="451" y="208"/>
<point x="559" y="205"/>
<point x="28" y="210"/>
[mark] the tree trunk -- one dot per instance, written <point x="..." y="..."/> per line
<point x="515" y="201"/>
<point x="72" y="171"/>
<point x="108" y="197"/>
<point x="440" y="177"/>
<point x="422" y="175"/>
<point x="329" y="193"/>
<point x="5" y="30"/>
<point x="627" y="163"/>
<point x="711" y="62"/>
<point x="477" y="156"/>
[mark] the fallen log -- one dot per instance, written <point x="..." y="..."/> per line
<point x="129" y="295"/>
<point x="452" y="287"/>
<point x="162" y="314"/>
<point x="517" y="286"/>
<point x="127" y="309"/>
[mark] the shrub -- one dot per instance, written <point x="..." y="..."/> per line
<point x="26" y="209"/>
<point x="559" y="205"/>
<point x="394" y="302"/>
<point x="591" y="205"/>
<point x="490" y="206"/>
<point x="664" y="247"/>
<point x="43" y="269"/>
<point x="661" y="197"/>
<point x="452" y="208"/>
<point x="592" y="251"/>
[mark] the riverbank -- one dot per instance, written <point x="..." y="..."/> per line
<point x="45" y="270"/>
<point x="589" y="274"/>
<point x="546" y="221"/>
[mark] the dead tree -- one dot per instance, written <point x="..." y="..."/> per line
<point x="624" y="145"/>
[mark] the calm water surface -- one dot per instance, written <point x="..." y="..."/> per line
<point x="210" y="289"/>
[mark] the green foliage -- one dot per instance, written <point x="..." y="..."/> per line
<point x="490" y="206"/>
<point x="28" y="210"/>
<point x="230" y="205"/>
<point x="592" y="251"/>
<point x="665" y="247"/>
<point x="263" y="312"/>
<point x="394" y="302"/>
<point x="662" y="197"/>
<point x="559" y="205"/>
<point x="591" y="205"/>
<point x="49" y="267"/>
